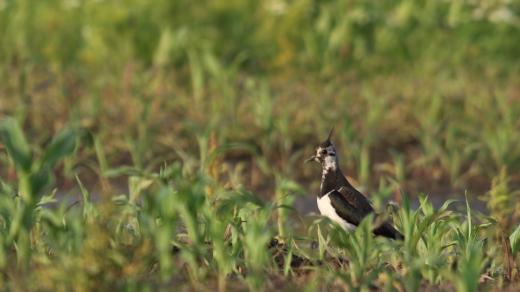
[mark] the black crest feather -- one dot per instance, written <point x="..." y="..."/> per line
<point x="327" y="142"/>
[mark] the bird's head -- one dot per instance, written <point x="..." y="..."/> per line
<point x="326" y="154"/>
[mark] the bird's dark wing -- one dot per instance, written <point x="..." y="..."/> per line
<point x="356" y="199"/>
<point x="345" y="209"/>
<point x="352" y="206"/>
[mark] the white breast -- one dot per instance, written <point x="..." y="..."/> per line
<point x="326" y="209"/>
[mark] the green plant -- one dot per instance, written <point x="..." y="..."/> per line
<point x="34" y="176"/>
<point x="472" y="256"/>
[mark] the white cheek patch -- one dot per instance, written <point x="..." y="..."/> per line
<point x="330" y="163"/>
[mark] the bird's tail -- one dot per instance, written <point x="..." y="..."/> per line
<point x="387" y="230"/>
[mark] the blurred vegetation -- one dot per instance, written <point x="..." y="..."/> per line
<point x="135" y="126"/>
<point x="434" y="81"/>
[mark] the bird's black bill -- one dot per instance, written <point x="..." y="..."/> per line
<point x="312" y="158"/>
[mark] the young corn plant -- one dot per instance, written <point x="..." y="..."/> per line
<point x="226" y="228"/>
<point x="34" y="176"/>
<point x="158" y="220"/>
<point x="190" y="204"/>
<point x="375" y="115"/>
<point x="501" y="140"/>
<point x="434" y="246"/>
<point x="284" y="195"/>
<point x="363" y="252"/>
<point x="430" y="128"/>
<point x="471" y="255"/>
<point x="255" y="238"/>
<point x="419" y="256"/>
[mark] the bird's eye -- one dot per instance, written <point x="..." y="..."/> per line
<point x="323" y="152"/>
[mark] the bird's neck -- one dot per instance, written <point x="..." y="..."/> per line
<point x="331" y="179"/>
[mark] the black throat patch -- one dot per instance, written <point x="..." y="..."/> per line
<point x="332" y="180"/>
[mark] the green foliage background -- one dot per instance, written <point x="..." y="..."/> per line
<point x="438" y="76"/>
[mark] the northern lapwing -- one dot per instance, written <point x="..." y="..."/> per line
<point x="338" y="199"/>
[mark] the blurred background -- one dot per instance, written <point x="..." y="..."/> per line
<point x="424" y="95"/>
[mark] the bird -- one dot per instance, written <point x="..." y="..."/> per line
<point x="338" y="199"/>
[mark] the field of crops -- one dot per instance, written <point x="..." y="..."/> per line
<point x="159" y="145"/>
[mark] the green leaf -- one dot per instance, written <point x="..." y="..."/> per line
<point x="88" y="208"/>
<point x="39" y="181"/>
<point x="122" y="171"/>
<point x="47" y="199"/>
<point x="62" y="145"/>
<point x="136" y="185"/>
<point x="515" y="240"/>
<point x="322" y="244"/>
<point x="12" y="136"/>
<point x="468" y="210"/>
